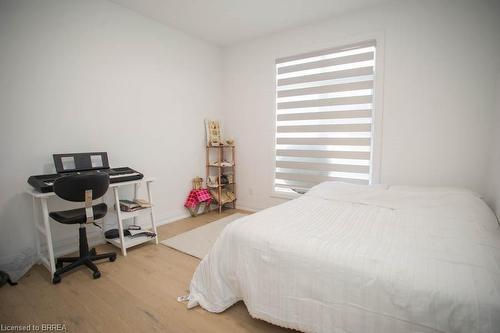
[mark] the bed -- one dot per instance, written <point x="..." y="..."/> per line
<point x="352" y="258"/>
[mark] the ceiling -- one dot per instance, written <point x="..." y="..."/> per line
<point x="225" y="22"/>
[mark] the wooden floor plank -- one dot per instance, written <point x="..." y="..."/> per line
<point x="136" y="293"/>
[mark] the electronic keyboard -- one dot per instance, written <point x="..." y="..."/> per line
<point x="82" y="163"/>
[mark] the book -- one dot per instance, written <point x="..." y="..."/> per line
<point x="113" y="233"/>
<point x="140" y="232"/>
<point x="133" y="205"/>
<point x="143" y="203"/>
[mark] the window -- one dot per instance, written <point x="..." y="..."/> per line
<point x="324" y="113"/>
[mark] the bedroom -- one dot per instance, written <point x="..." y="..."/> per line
<point x="138" y="79"/>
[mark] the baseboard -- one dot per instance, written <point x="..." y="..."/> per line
<point x="257" y="203"/>
<point x="248" y="209"/>
<point x="179" y="215"/>
<point x="67" y="245"/>
<point x="18" y="264"/>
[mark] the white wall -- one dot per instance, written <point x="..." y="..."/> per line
<point x="494" y="171"/>
<point x="80" y="76"/>
<point x="140" y="91"/>
<point x="437" y="94"/>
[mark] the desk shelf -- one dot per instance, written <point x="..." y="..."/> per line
<point x="131" y="241"/>
<point x="125" y="242"/>
<point x="130" y="215"/>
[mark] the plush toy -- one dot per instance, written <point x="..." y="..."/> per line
<point x="197" y="183"/>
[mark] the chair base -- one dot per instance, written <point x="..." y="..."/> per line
<point x="86" y="257"/>
<point x="79" y="261"/>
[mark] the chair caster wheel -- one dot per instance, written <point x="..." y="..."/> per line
<point x="97" y="275"/>
<point x="59" y="265"/>
<point x="56" y="279"/>
<point x="93" y="252"/>
<point x="112" y="258"/>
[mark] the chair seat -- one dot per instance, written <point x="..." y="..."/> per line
<point x="75" y="216"/>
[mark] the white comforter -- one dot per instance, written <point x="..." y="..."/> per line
<point x="350" y="258"/>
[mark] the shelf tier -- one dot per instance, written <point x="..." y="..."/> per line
<point x="221" y="185"/>
<point x="131" y="241"/>
<point x="224" y="203"/>
<point x="223" y="146"/>
<point x="221" y="166"/>
<point x="130" y="215"/>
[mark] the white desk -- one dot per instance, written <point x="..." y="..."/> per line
<point x="43" y="230"/>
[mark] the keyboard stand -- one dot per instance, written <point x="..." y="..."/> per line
<point x="44" y="233"/>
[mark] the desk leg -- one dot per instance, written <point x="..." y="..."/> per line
<point x="136" y="194"/>
<point x="36" y="219"/>
<point x="120" y="224"/>
<point x="103" y="221"/>
<point x="153" y="222"/>
<point x="48" y="235"/>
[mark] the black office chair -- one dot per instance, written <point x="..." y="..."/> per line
<point x="81" y="188"/>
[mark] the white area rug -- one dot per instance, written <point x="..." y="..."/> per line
<point x="199" y="241"/>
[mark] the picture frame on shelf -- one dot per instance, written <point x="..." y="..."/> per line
<point x="213" y="132"/>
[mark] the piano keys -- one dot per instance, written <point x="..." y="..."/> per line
<point x="82" y="163"/>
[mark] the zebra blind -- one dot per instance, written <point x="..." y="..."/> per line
<point x="324" y="105"/>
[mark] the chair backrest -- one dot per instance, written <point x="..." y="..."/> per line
<point x="73" y="187"/>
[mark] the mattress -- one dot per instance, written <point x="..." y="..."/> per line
<point x="351" y="258"/>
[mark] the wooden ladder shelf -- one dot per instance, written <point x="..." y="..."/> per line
<point x="222" y="192"/>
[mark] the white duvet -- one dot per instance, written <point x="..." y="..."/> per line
<point x="350" y="258"/>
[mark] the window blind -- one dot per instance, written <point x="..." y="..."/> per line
<point x="324" y="107"/>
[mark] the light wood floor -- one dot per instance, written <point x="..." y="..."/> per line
<point x="136" y="293"/>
